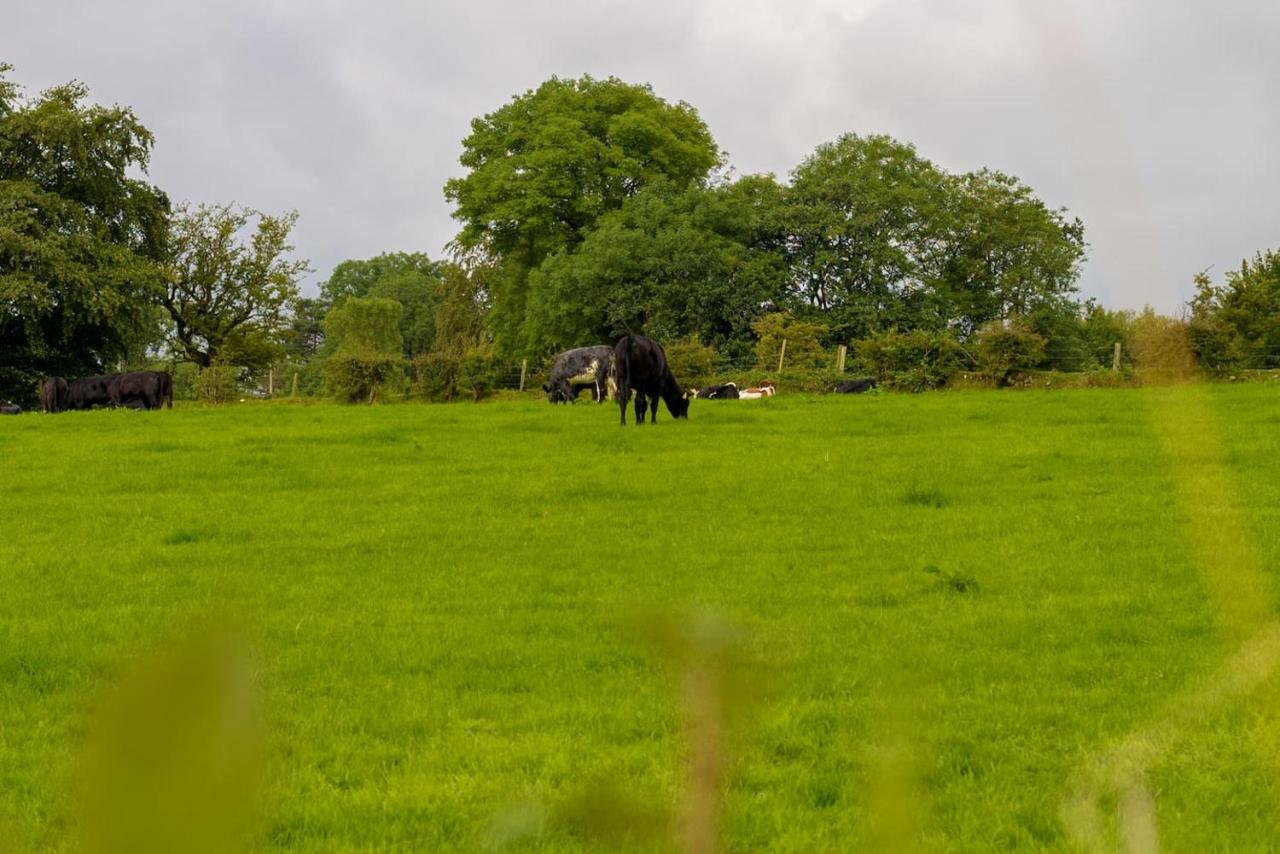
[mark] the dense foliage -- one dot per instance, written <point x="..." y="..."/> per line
<point x="1237" y="324"/>
<point x="367" y="349"/>
<point x="81" y="237"/>
<point x="543" y="169"/>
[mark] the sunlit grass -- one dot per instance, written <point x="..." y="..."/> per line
<point x="982" y="588"/>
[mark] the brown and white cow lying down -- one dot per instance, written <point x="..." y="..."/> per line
<point x="764" y="389"/>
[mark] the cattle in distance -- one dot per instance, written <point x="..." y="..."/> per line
<point x="53" y="394"/>
<point x="855" y="386"/>
<point x="723" y="391"/>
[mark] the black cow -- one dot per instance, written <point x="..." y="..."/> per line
<point x="855" y="386"/>
<point x="142" y="389"/>
<point x="574" y="370"/>
<point x="640" y="365"/>
<point x="88" y="392"/>
<point x="53" y="394"/>
<point x="10" y="409"/>
<point x="726" y="391"/>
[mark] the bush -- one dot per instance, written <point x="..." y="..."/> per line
<point x="477" y="372"/>
<point x="911" y="361"/>
<point x="357" y="376"/>
<point x="804" y="342"/>
<point x="436" y="376"/>
<point x="217" y="385"/>
<point x="1161" y="344"/>
<point x="693" y="362"/>
<point x="185" y="375"/>
<point x="1002" y="347"/>
<point x="443" y="376"/>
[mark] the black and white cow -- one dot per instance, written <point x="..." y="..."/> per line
<point x="725" y="391"/>
<point x="855" y="386"/>
<point x="574" y="370"/>
<point x="10" y="409"/>
<point x="640" y="365"/>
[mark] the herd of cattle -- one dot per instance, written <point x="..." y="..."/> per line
<point x="640" y="364"/>
<point x="635" y="364"/>
<point x="134" y="389"/>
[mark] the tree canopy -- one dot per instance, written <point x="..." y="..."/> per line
<point x="410" y="278"/>
<point x="879" y="237"/>
<point x="1237" y="324"/>
<point x="230" y="292"/>
<point x="81" y="239"/>
<point x="543" y="169"/>
<point x="672" y="262"/>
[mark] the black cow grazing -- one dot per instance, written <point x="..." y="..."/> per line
<point x="574" y="370"/>
<point x="53" y="394"/>
<point x="855" y="386"/>
<point x="640" y="365"/>
<point x="88" y="392"/>
<point x="142" y="389"/>
<point x="726" y="391"/>
<point x="10" y="409"/>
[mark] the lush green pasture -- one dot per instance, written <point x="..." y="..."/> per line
<point x="949" y="604"/>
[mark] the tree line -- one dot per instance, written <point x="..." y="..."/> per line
<point x="588" y="209"/>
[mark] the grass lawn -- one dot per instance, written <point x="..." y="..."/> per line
<point x="949" y="605"/>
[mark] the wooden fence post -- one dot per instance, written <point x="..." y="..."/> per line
<point x="841" y="351"/>
<point x="524" y="369"/>
<point x="294" y="393"/>
<point x="1115" y="359"/>
<point x="781" y="355"/>
<point x="271" y="382"/>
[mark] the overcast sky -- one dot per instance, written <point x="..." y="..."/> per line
<point x="1158" y="123"/>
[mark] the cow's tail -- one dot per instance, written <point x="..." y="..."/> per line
<point x="166" y="388"/>
<point x="621" y="369"/>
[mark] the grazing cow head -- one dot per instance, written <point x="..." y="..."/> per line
<point x="681" y="407"/>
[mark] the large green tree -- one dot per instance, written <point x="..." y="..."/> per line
<point x="670" y="262"/>
<point x="81" y="236"/>
<point x="543" y="169"/>
<point x="863" y="215"/>
<point x="232" y="284"/>
<point x="1237" y="324"/>
<point x="1002" y="252"/>
<point x="410" y="278"/>
<point x="879" y="237"/>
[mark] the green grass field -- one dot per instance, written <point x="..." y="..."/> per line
<point x="958" y="613"/>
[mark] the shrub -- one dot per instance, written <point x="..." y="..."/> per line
<point x="436" y="376"/>
<point x="443" y="376"/>
<point x="356" y="376"/>
<point x="185" y="375"/>
<point x="1161" y="344"/>
<point x="1002" y="347"/>
<point x="216" y="384"/>
<point x="693" y="362"/>
<point x="804" y="342"/>
<point x="911" y="361"/>
<point x="477" y="372"/>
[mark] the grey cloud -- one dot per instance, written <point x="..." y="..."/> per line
<point x="1154" y="122"/>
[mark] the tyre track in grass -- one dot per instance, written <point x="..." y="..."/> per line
<point x="1232" y="571"/>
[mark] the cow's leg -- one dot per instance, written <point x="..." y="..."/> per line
<point x="653" y="409"/>
<point x="623" y="394"/>
<point x="640" y="404"/>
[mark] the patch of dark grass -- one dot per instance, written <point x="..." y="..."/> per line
<point x="954" y="582"/>
<point x="185" y="536"/>
<point x="920" y="496"/>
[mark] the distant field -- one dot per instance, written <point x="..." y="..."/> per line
<point x="953" y="605"/>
